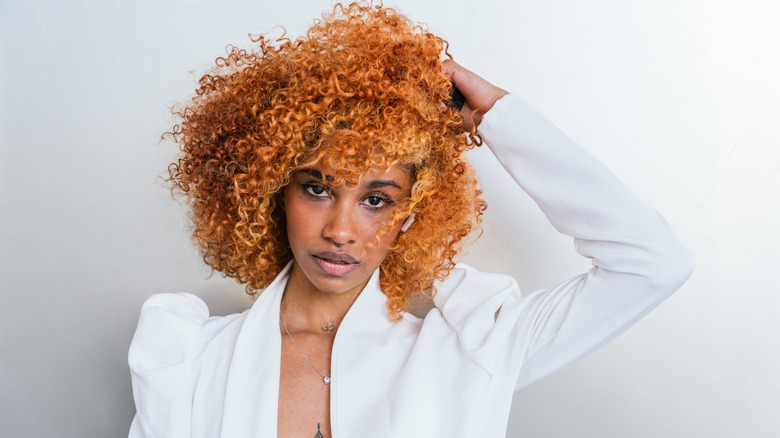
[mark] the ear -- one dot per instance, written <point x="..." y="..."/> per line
<point x="407" y="223"/>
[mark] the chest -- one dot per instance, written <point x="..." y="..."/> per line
<point x="304" y="398"/>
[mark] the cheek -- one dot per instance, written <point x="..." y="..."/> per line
<point x="298" y="221"/>
<point x="385" y="240"/>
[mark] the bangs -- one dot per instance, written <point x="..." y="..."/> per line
<point x="362" y="89"/>
<point x="346" y="155"/>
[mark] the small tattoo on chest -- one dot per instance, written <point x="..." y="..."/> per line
<point x="319" y="434"/>
<point x="328" y="326"/>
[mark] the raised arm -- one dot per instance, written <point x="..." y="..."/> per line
<point x="637" y="260"/>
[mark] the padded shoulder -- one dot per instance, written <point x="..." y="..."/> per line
<point x="167" y="328"/>
<point x="467" y="290"/>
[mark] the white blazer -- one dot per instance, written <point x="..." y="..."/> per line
<point x="451" y="374"/>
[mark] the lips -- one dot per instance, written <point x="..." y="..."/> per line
<point x="335" y="263"/>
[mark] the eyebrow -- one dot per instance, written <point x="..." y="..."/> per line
<point x="374" y="184"/>
<point x="379" y="183"/>
<point x="316" y="174"/>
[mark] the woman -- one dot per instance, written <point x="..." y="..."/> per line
<point x="328" y="173"/>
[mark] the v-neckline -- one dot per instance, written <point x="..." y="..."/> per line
<point x="251" y="406"/>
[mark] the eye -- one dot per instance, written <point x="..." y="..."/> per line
<point x="315" y="190"/>
<point x="375" y="201"/>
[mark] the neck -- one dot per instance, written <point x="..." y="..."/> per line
<point x="307" y="309"/>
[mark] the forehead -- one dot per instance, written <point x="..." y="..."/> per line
<point x="397" y="174"/>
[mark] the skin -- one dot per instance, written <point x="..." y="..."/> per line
<point x="326" y="223"/>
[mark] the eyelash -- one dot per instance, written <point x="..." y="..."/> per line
<point x="309" y="188"/>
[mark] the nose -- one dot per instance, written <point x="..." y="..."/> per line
<point x="341" y="227"/>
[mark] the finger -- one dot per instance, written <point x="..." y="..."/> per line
<point x="448" y="66"/>
<point x="480" y="94"/>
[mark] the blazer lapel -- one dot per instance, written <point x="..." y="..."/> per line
<point x="355" y="384"/>
<point x="252" y="390"/>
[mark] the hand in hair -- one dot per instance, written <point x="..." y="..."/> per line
<point x="480" y="94"/>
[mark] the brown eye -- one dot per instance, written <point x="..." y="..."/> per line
<point x="315" y="190"/>
<point x="377" y="201"/>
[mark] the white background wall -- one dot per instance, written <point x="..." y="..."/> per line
<point x="678" y="97"/>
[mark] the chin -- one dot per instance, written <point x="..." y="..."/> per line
<point x="330" y="285"/>
<point x="337" y="284"/>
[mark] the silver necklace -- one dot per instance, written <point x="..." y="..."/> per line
<point x="325" y="378"/>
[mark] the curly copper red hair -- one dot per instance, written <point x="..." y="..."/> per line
<point x="362" y="89"/>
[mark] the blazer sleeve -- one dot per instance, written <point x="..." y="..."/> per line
<point x="637" y="260"/>
<point x="160" y="359"/>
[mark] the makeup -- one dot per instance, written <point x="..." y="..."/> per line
<point x="334" y="263"/>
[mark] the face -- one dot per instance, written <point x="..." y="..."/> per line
<point x="332" y="230"/>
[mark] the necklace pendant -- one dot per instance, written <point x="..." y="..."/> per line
<point x="326" y="379"/>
